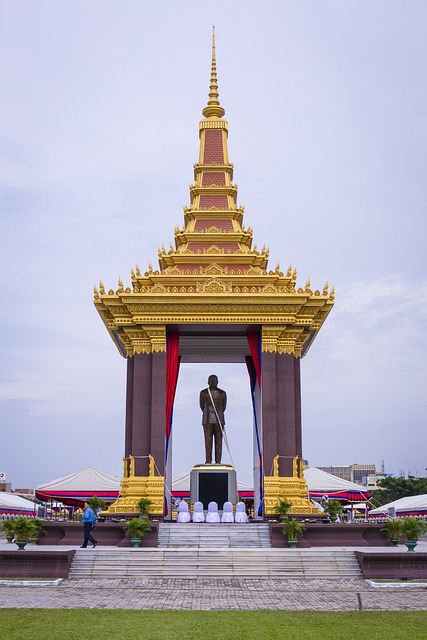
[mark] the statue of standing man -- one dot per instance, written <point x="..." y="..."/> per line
<point x="213" y="402"/>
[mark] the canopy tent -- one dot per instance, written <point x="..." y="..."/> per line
<point x="75" y="488"/>
<point x="181" y="487"/>
<point x="408" y="506"/>
<point x="322" y="484"/>
<point x="12" y="504"/>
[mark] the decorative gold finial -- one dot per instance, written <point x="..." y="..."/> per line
<point x="213" y="108"/>
<point x="276" y="466"/>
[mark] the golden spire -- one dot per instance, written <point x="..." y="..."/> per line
<point x="213" y="108"/>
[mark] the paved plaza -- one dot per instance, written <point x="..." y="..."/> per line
<point x="217" y="594"/>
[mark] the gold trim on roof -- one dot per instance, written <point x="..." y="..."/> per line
<point x="213" y="275"/>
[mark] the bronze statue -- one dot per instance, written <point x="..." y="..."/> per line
<point x="213" y="402"/>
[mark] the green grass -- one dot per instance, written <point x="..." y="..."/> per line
<point x="97" y="624"/>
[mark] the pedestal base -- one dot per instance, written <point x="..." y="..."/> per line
<point x="213" y="483"/>
<point x="293" y="489"/>
<point x="136" y="487"/>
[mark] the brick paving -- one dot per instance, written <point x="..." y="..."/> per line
<point x="215" y="595"/>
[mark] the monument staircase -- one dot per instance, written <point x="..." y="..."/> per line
<point x="214" y="551"/>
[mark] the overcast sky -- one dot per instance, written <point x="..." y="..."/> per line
<point x="327" y="111"/>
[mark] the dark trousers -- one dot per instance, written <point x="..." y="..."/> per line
<point x="87" y="526"/>
<point x="213" y="430"/>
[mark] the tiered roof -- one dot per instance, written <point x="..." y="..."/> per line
<point x="213" y="273"/>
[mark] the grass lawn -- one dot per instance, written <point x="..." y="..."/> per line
<point x="94" y="624"/>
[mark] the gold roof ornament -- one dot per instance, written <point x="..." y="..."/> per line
<point x="211" y="273"/>
<point x="213" y="108"/>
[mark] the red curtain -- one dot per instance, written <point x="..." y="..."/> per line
<point x="172" y="368"/>
<point x="255" y="346"/>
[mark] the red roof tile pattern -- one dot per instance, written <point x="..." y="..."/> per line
<point x="214" y="153"/>
<point x="236" y="269"/>
<point x="212" y="177"/>
<point x="220" y="201"/>
<point x="223" y="225"/>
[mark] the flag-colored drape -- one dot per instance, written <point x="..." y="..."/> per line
<point x="253" y="364"/>
<point x="172" y="369"/>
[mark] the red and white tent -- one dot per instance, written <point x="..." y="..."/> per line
<point x="14" y="505"/>
<point x="408" y="506"/>
<point x="322" y="484"/>
<point x="75" y="488"/>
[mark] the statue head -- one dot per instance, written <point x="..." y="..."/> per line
<point x="213" y="381"/>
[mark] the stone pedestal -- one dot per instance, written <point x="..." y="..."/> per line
<point x="137" y="487"/>
<point x="213" y="482"/>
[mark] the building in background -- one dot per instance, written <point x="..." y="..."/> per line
<point x="353" y="473"/>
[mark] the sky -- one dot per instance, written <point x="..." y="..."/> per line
<point x="327" y="111"/>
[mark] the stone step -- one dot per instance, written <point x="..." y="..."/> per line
<point x="214" y="535"/>
<point x="195" y="563"/>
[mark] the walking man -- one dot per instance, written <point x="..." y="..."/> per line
<point x="89" y="521"/>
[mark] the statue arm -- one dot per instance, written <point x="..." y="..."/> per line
<point x="202" y="400"/>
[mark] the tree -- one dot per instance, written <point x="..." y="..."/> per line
<point x="96" y="503"/>
<point x="394" y="488"/>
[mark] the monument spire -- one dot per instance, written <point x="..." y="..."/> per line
<point x="213" y="299"/>
<point x="213" y="108"/>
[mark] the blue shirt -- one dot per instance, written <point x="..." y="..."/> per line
<point x="89" y="516"/>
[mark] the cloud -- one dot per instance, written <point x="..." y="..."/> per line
<point x="24" y="391"/>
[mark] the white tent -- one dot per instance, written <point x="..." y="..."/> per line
<point x="77" y="487"/>
<point x="321" y="483"/>
<point x="411" y="505"/>
<point x="12" y="504"/>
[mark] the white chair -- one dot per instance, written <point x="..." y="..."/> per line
<point x="227" y="512"/>
<point x="183" y="513"/>
<point x="241" y="515"/>
<point x="212" y="514"/>
<point x="198" y="515"/>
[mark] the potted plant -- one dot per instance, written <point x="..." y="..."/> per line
<point x="282" y="509"/>
<point x="143" y="506"/>
<point x="36" y="529"/>
<point x="292" y="529"/>
<point x="393" y="528"/>
<point x="23" y="529"/>
<point x="333" y="508"/>
<point x="413" y="529"/>
<point x="137" y="528"/>
<point x="9" y="531"/>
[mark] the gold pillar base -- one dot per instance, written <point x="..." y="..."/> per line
<point x="293" y="489"/>
<point x="136" y="487"/>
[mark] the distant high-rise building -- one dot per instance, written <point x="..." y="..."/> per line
<point x="353" y="472"/>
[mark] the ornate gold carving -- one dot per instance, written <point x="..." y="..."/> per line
<point x="213" y="249"/>
<point x="293" y="489"/>
<point x="214" y="270"/>
<point x="159" y="288"/>
<point x="150" y="465"/>
<point x="213" y="286"/>
<point x="135" y="487"/>
<point x="213" y="124"/>
<point x="295" y="467"/>
<point x="276" y="466"/>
